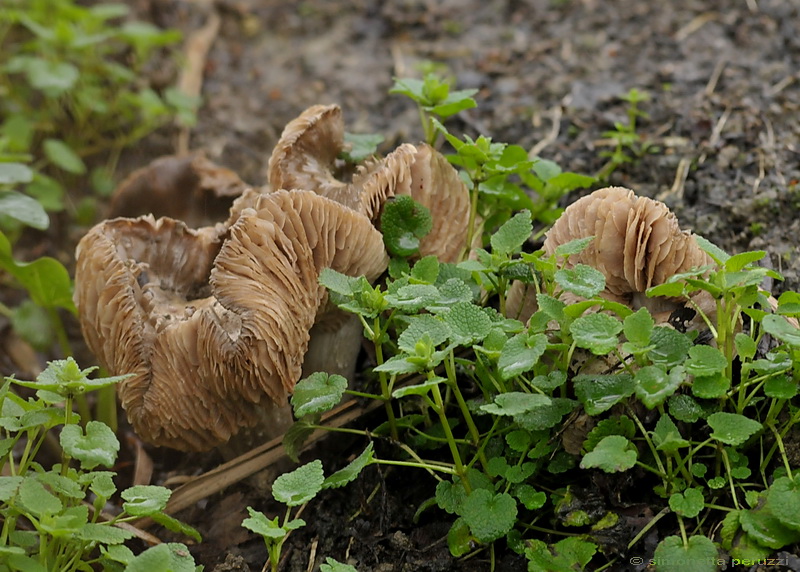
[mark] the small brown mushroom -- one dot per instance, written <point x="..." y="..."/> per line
<point x="214" y="327"/>
<point x="637" y="244"/>
<point x="305" y="158"/>
<point x="188" y="188"/>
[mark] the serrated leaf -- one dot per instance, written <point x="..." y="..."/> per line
<point x="575" y="246"/>
<point x="468" y="323"/>
<point x="418" y="388"/>
<point x="779" y="327"/>
<point x="654" y="385"/>
<point x="104" y="534"/>
<point x="512" y="234"/>
<point x="780" y="387"/>
<point x="671" y="346"/>
<point x="317" y="393"/>
<point x="351" y="471"/>
<point x="38" y="500"/>
<point x="705" y="361"/>
<point x="783" y="501"/>
<point x="145" y="500"/>
<point x="546" y="417"/>
<point x="489" y="516"/>
<point x="685" y="408"/>
<point x="766" y="528"/>
<point x="98" y="446"/>
<point x="420" y="326"/>
<point x="299" y="486"/>
<point x="612" y="454"/>
<point x="745" y="346"/>
<point x="332" y="565"/>
<point x="667" y="437"/>
<point x="530" y="498"/>
<point x="700" y="555"/>
<point x="622" y="425"/>
<point x="361" y="146"/>
<point x="403" y="223"/>
<point x="599" y="393"/>
<point x="515" y="403"/>
<point x="520" y="354"/>
<point x="295" y="437"/>
<point x="731" y="428"/>
<point x="167" y="557"/>
<point x="598" y="333"/>
<point x="688" y="503"/>
<point x="638" y="327"/>
<point x="260" y="524"/>
<point x="582" y="280"/>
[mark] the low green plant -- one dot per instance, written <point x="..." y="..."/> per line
<point x="481" y="402"/>
<point x="629" y="145"/>
<point x="295" y="489"/>
<point x="52" y="518"/>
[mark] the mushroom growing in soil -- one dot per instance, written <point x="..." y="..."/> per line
<point x="306" y="158"/>
<point x="214" y="323"/>
<point x="637" y="244"/>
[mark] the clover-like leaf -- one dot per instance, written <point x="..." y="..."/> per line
<point x="699" y="555"/>
<point x="732" y="428"/>
<point x="299" y="486"/>
<point x="489" y="516"/>
<point x="688" y="503"/>
<point x="98" y="446"/>
<point x="317" y="393"/>
<point x="612" y="454"/>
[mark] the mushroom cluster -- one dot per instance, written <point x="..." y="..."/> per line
<point x="637" y="244"/>
<point x="214" y="317"/>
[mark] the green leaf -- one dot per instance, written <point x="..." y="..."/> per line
<point x="468" y="323"/>
<point x="33" y="324"/>
<point x="515" y="403"/>
<point x="530" y="497"/>
<point x="38" y="500"/>
<point x="459" y="539"/>
<point x="103" y="533"/>
<point x="719" y="255"/>
<point x="545" y="417"/>
<point x="612" y="454"/>
<point x="780" y="328"/>
<point x="403" y="223"/>
<point x="688" y="504"/>
<point x="671" y="346"/>
<point x="167" y="557"/>
<point x="46" y="279"/>
<point x="510" y="237"/>
<point x="667" y="437"/>
<point x="52" y="77"/>
<point x="783" y="501"/>
<point x="332" y="565"/>
<point x="63" y="156"/>
<point x="573" y="246"/>
<point x="767" y="529"/>
<point x="351" y="471"/>
<point x="711" y="386"/>
<point x="269" y="529"/>
<point x="299" y="486"/>
<point x="64" y="377"/>
<point x="98" y="446"/>
<point x="317" y="393"/>
<point x="24" y="209"/>
<point x="176" y="526"/>
<point x="685" y="408"/>
<point x="739" y="261"/>
<point x="145" y="500"/>
<point x="780" y="387"/>
<point x="705" y="361"/>
<point x="732" y="428"/>
<point x="599" y="393"/>
<point x="638" y="327"/>
<point x="520" y="354"/>
<point x="489" y="516"/>
<point x="654" y="385"/>
<point x="13" y="173"/>
<point x="582" y="280"/>
<point x="9" y="486"/>
<point x="596" y="332"/>
<point x="361" y="146"/>
<point x="622" y="425"/>
<point x="699" y="555"/>
<point x="417" y="389"/>
<point x="745" y="346"/>
<point x="435" y="329"/>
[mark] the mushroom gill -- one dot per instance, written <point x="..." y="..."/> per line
<point x="305" y="158"/>
<point x="637" y="244"/>
<point x="214" y="327"/>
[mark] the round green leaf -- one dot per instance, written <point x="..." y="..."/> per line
<point x="705" y="360"/>
<point x="612" y="454"/>
<point x="99" y="446"/>
<point x="145" y="500"/>
<point x="317" y="393"/>
<point x="596" y="332"/>
<point x="599" y="393"/>
<point x="780" y="328"/>
<point x="783" y="501"/>
<point x="299" y="486"/>
<point x="688" y="504"/>
<point x="654" y="385"/>
<point x="582" y="280"/>
<point x="489" y="516"/>
<point x="700" y="555"/>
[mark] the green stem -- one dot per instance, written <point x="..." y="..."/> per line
<point x="450" y="368"/>
<point x="386" y="393"/>
<point x="727" y="464"/>
<point x="451" y="442"/>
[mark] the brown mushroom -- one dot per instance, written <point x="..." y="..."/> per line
<point x="189" y="188"/>
<point x="214" y="328"/>
<point x="637" y="244"/>
<point x="305" y="158"/>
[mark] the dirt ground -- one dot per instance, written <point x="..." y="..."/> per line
<point x="724" y="116"/>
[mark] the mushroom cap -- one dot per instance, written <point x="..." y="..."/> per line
<point x="189" y="188"/>
<point x="305" y="155"/>
<point x="637" y="240"/>
<point x="637" y="244"/>
<point x="305" y="158"/>
<point x="212" y="326"/>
